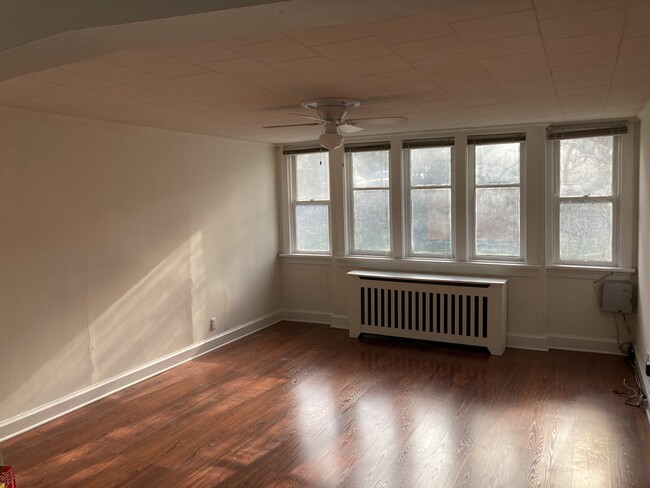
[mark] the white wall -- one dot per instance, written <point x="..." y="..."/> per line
<point x="643" y="328"/>
<point x="118" y="244"/>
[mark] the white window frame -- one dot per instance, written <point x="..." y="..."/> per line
<point x="349" y="199"/>
<point x="294" y="202"/>
<point x="408" y="188"/>
<point x="615" y="130"/>
<point x="521" y="139"/>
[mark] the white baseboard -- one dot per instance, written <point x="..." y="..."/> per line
<point x="340" y="322"/>
<point x="527" y="341"/>
<point x="50" y="411"/>
<point x="599" y="345"/>
<point x="307" y="316"/>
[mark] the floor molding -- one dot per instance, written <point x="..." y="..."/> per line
<point x="69" y="403"/>
<point x="527" y="341"/>
<point x="645" y="381"/>
<point x="599" y="345"/>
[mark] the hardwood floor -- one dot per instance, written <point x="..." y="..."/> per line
<point x="304" y="405"/>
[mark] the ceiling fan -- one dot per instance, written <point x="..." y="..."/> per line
<point x="332" y="115"/>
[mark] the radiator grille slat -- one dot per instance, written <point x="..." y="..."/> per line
<point x="427" y="312"/>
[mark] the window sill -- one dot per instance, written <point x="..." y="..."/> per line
<point x="587" y="272"/>
<point x="318" y="259"/>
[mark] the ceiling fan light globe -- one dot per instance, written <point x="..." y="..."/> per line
<point x="330" y="140"/>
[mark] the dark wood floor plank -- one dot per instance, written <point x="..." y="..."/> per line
<point x="304" y="405"/>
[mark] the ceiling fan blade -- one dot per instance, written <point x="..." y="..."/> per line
<point x="346" y="128"/>
<point x="307" y="117"/>
<point x="290" y="125"/>
<point x="378" y="121"/>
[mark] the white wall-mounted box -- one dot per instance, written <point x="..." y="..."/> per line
<point x="617" y="296"/>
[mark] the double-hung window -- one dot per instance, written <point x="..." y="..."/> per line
<point x="429" y="197"/>
<point x="586" y="194"/>
<point x="496" y="166"/>
<point x="368" y="176"/>
<point x="310" y="201"/>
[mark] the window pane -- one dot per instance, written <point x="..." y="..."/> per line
<point x="312" y="228"/>
<point x="586" y="231"/>
<point x="431" y="221"/>
<point x="497" y="164"/>
<point x="371" y="220"/>
<point x="586" y="166"/>
<point x="430" y="166"/>
<point x="497" y="221"/>
<point x="312" y="176"/>
<point x="370" y="169"/>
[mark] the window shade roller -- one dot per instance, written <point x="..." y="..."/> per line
<point x="377" y="146"/>
<point x="305" y="150"/>
<point x="574" y="131"/>
<point x="424" y="143"/>
<point x="496" y="138"/>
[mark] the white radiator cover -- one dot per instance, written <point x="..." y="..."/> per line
<point x="454" y="309"/>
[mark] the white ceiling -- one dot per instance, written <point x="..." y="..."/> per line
<point x="451" y="64"/>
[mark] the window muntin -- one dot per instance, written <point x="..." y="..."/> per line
<point x="311" y="203"/>
<point x="429" y="200"/>
<point x="496" y="200"/>
<point x="586" y="200"/>
<point x="370" y="207"/>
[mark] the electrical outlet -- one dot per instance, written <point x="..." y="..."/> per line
<point x="213" y="323"/>
<point x="647" y="363"/>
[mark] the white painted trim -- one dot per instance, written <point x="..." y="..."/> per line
<point x="340" y="322"/>
<point x="640" y="365"/>
<point x="527" y="341"/>
<point x="69" y="403"/>
<point x="307" y="316"/>
<point x="601" y="345"/>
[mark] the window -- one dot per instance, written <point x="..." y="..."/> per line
<point x="586" y="194"/>
<point x="310" y="202"/>
<point x="496" y="196"/>
<point x="369" y="207"/>
<point x="429" y="196"/>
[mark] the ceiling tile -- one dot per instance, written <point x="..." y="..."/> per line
<point x="308" y="66"/>
<point x="468" y="11"/>
<point x="239" y="66"/>
<point x="99" y="69"/>
<point x="270" y="78"/>
<point x="584" y="44"/>
<point x="147" y="81"/>
<point x="170" y="68"/>
<point x="505" y="46"/>
<point x="637" y="25"/>
<point x="413" y="88"/>
<point x="558" y="8"/>
<point x="85" y="82"/>
<point x="583" y="60"/>
<point x="443" y="64"/>
<point x="632" y="75"/>
<point x="382" y="64"/>
<point x="521" y="75"/>
<point x="584" y="94"/>
<point x="28" y="83"/>
<point x="582" y="24"/>
<point x="125" y="91"/>
<point x="48" y="74"/>
<point x="233" y="42"/>
<point x="430" y="48"/>
<point x="634" y="59"/>
<point x="208" y="80"/>
<point x="471" y="86"/>
<point x="516" y="61"/>
<point x="459" y="76"/>
<point x="132" y="56"/>
<point x="528" y="88"/>
<point x="198" y="52"/>
<point x="413" y="28"/>
<point x="277" y="51"/>
<point x="634" y="45"/>
<point x="326" y="35"/>
<point x="583" y="77"/>
<point x="367" y="47"/>
<point x="184" y="90"/>
<point x="497" y="26"/>
<point x="396" y="77"/>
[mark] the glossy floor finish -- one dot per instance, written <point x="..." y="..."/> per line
<point x="303" y="405"/>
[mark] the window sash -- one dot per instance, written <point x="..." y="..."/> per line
<point x="350" y="194"/>
<point x="614" y="199"/>
<point x="408" y="203"/>
<point x="473" y="254"/>
<point x="295" y="203"/>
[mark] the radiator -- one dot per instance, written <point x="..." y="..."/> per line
<point x="453" y="309"/>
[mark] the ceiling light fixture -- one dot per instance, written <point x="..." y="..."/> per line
<point x="331" y="138"/>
